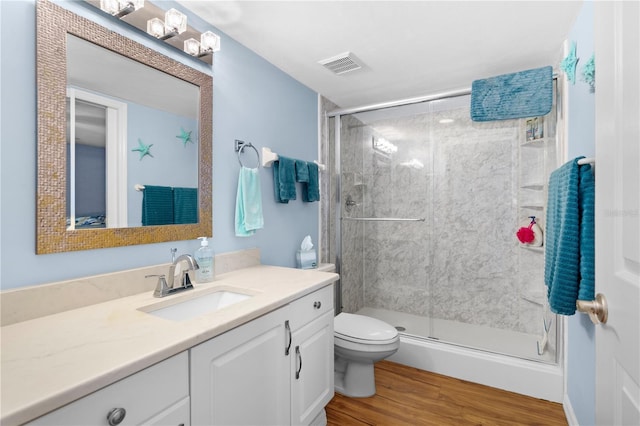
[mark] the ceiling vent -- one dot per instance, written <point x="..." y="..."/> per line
<point x="341" y="64"/>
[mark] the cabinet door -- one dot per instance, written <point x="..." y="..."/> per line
<point x="242" y="376"/>
<point x="312" y="369"/>
<point x="176" y="415"/>
<point x="148" y="394"/>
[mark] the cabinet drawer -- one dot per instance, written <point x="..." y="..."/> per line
<point x="311" y="306"/>
<point x="143" y="395"/>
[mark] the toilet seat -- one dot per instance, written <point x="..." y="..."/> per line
<point x="363" y="330"/>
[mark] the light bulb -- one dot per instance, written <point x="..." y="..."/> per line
<point x="209" y="42"/>
<point x="175" y="22"/>
<point x="155" y="27"/>
<point x="192" y="47"/>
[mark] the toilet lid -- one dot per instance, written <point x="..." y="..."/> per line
<point x="361" y="328"/>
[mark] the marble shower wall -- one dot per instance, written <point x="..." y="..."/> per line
<point x="463" y="263"/>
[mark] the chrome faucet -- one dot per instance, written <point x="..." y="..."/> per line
<point x="164" y="289"/>
<point x="184" y="276"/>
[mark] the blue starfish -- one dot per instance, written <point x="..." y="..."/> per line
<point x="185" y="136"/>
<point x="143" y="149"/>
<point x="589" y="72"/>
<point x="568" y="64"/>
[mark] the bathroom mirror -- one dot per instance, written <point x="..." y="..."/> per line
<point x="61" y="32"/>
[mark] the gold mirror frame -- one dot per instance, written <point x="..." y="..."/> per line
<point x="53" y="24"/>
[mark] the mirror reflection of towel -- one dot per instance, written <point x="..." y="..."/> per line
<point x="185" y="205"/>
<point x="157" y="205"/>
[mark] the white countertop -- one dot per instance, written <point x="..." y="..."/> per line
<point x="51" y="361"/>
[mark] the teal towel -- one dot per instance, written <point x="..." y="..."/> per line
<point x="276" y="182"/>
<point x="157" y="205"/>
<point x="284" y="178"/>
<point x="302" y="171"/>
<point x="586" y="290"/>
<point x="569" y="237"/>
<point x="185" y="205"/>
<point x="249" y="216"/>
<point x="311" y="190"/>
<point x="518" y="95"/>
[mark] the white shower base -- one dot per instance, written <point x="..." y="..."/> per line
<point x="487" y="366"/>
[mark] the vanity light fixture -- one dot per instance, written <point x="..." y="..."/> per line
<point x="120" y="8"/>
<point x="175" y="22"/>
<point x="209" y="43"/>
<point x="169" y="26"/>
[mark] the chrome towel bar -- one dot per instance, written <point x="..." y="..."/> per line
<point x="384" y="219"/>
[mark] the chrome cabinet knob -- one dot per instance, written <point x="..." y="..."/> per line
<point x="116" y="416"/>
<point x="317" y="304"/>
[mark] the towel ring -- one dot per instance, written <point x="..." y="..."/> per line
<point x="240" y="146"/>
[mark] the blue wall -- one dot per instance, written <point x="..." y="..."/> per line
<point x="252" y="100"/>
<point x="581" y="141"/>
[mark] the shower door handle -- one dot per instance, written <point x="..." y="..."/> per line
<point x="597" y="309"/>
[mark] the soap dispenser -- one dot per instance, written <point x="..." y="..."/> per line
<point x="204" y="257"/>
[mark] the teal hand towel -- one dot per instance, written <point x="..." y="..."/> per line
<point x="285" y="179"/>
<point x="518" y="95"/>
<point x="302" y="171"/>
<point x="248" y="216"/>
<point x="157" y="205"/>
<point x="586" y="194"/>
<point x="569" y="237"/>
<point x="276" y="182"/>
<point x="311" y="190"/>
<point x="185" y="205"/>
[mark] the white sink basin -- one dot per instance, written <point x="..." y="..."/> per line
<point x="196" y="306"/>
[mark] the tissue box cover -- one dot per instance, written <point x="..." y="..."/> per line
<point x="306" y="259"/>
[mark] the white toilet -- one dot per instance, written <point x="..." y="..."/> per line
<point x="359" y="341"/>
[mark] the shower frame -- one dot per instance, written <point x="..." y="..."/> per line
<point x="336" y="114"/>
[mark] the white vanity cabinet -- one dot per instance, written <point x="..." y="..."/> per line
<point x="274" y="370"/>
<point x="312" y="355"/>
<point x="157" y="395"/>
<point x="242" y="376"/>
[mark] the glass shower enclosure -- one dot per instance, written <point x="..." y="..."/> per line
<point x="428" y="205"/>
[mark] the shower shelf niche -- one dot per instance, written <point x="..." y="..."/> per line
<point x="537" y="249"/>
<point x="534" y="187"/>
<point x="536" y="143"/>
<point x="533" y="207"/>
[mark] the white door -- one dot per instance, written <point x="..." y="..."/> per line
<point x="617" y="47"/>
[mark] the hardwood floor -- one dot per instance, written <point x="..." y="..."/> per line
<point x="408" y="396"/>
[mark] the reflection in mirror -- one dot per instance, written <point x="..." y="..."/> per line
<point x="144" y="108"/>
<point x="95" y="110"/>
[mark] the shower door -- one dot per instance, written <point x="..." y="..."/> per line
<point x="429" y="206"/>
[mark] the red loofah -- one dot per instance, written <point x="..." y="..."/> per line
<point x="525" y="235"/>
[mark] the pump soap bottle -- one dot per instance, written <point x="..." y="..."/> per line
<point x="204" y="257"/>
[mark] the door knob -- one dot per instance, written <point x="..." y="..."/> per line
<point x="597" y="309"/>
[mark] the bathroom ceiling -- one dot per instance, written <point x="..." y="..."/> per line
<point x="406" y="48"/>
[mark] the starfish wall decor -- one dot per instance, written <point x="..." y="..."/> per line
<point x="568" y="64"/>
<point x="185" y="136"/>
<point x="143" y="149"/>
